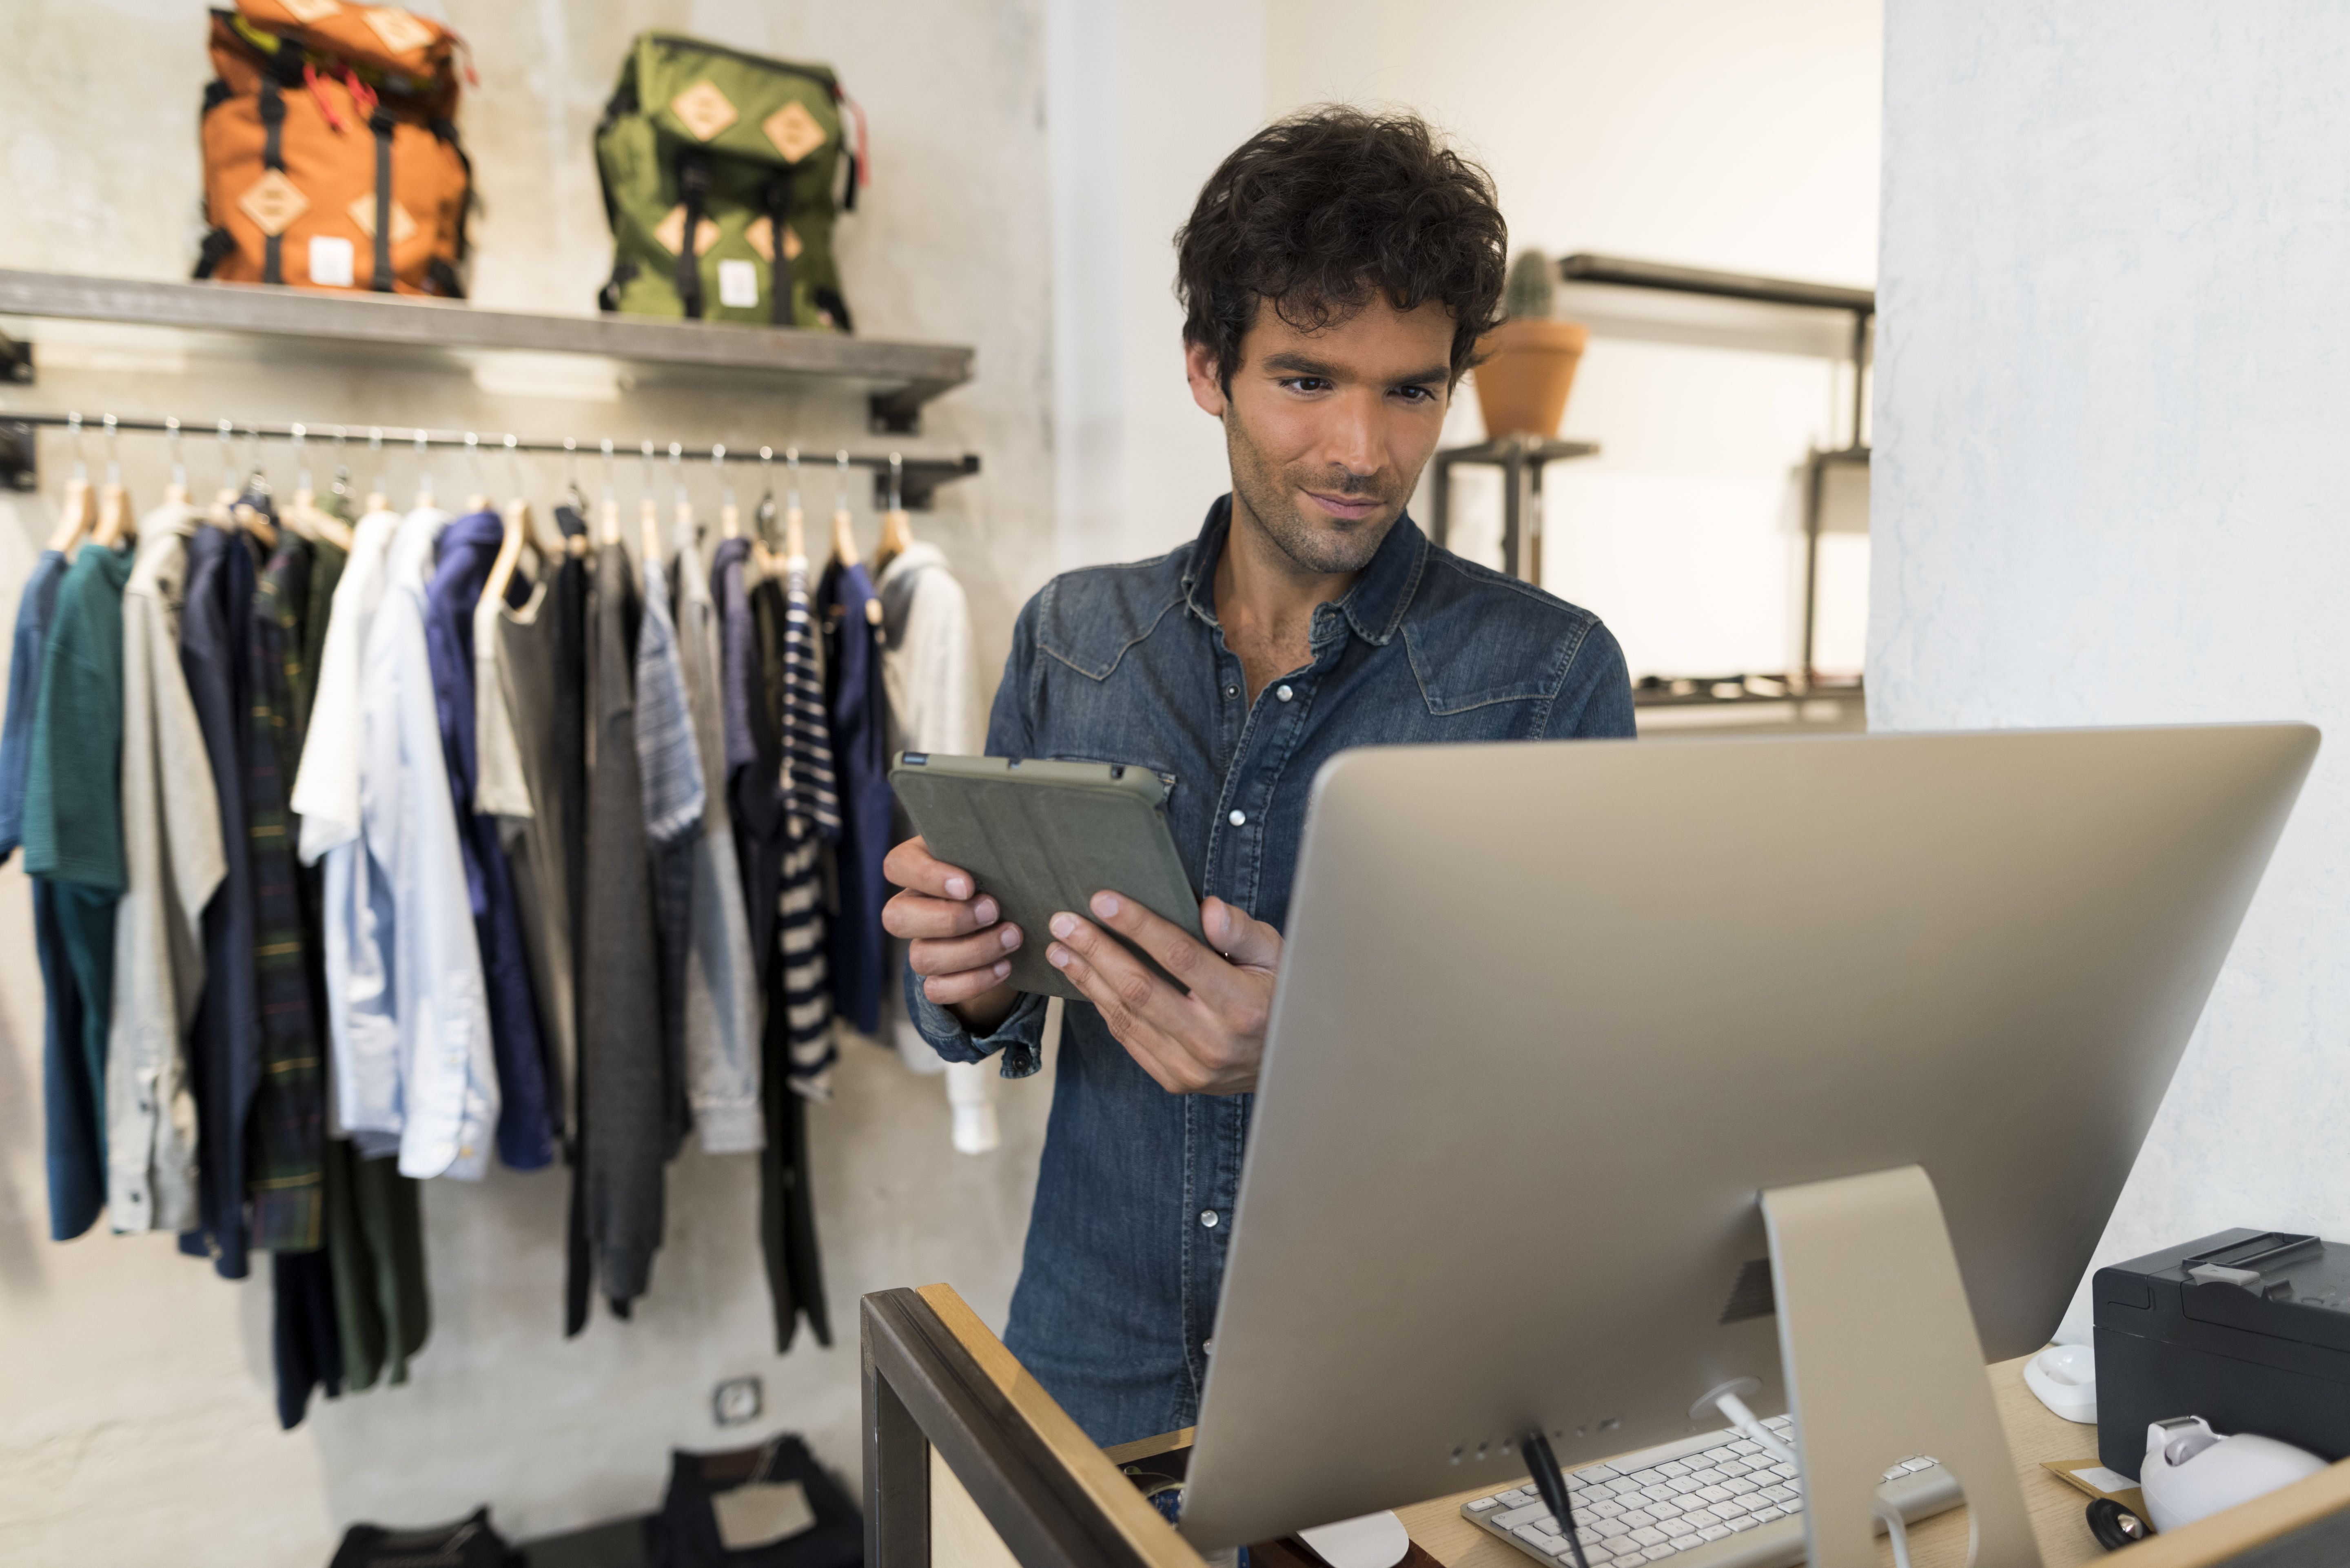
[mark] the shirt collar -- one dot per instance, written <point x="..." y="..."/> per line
<point x="1374" y="607"/>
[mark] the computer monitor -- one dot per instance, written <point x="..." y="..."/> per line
<point x="1551" y="1018"/>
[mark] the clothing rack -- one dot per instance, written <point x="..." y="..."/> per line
<point x="900" y="480"/>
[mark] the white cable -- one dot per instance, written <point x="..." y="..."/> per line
<point x="1749" y="1425"/>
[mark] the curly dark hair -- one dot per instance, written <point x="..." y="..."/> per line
<point x="1315" y="210"/>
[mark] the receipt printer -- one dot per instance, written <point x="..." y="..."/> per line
<point x="2248" y="1329"/>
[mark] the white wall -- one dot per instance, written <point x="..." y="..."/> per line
<point x="136" y="1424"/>
<point x="1144" y="100"/>
<point x="1707" y="132"/>
<point x="2111" y="473"/>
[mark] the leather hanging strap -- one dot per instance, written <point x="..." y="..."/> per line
<point x="693" y="190"/>
<point x="273" y="156"/>
<point x="381" y="279"/>
<point x="777" y="196"/>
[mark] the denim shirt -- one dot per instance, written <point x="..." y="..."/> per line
<point x="1127" y="664"/>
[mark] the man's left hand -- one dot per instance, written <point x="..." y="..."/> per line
<point x="1209" y="1041"/>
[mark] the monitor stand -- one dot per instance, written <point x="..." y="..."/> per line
<point x="1882" y="1363"/>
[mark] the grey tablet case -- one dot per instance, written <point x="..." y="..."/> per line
<point x="1044" y="837"/>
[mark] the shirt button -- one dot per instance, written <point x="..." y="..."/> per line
<point x="1238" y="819"/>
<point x="1284" y="693"/>
<point x="1207" y="1347"/>
<point x="1208" y="1218"/>
<point x="1231" y="691"/>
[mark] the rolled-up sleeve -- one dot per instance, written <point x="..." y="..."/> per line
<point x="1020" y="1036"/>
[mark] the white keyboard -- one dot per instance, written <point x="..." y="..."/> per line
<point x="1714" y="1500"/>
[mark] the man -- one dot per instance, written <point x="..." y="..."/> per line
<point x="1335" y="274"/>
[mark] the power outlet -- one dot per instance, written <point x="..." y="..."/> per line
<point x="736" y="1402"/>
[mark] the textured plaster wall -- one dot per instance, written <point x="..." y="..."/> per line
<point x="2110" y="475"/>
<point x="135" y="1415"/>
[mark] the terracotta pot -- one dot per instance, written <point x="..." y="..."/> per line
<point x="1521" y="385"/>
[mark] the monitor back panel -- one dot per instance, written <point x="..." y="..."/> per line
<point x="1551" y="1017"/>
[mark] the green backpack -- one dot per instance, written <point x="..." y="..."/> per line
<point x="706" y="154"/>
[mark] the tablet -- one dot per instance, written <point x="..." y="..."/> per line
<point x="1042" y="837"/>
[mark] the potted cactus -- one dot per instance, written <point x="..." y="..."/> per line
<point x="1528" y="361"/>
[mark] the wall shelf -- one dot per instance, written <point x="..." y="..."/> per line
<point x="897" y="379"/>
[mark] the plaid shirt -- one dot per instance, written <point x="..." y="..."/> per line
<point x="289" y="1112"/>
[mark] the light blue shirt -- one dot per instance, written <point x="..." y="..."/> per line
<point x="420" y="1009"/>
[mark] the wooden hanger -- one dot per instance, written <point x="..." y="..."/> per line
<point x="115" y="522"/>
<point x="648" y="522"/>
<point x="75" y="515"/>
<point x="843" y="537"/>
<point x="795" y="533"/>
<point x="509" y="556"/>
<point x="609" y="520"/>
<point x="729" y="522"/>
<point x="252" y="520"/>
<point x="896" y="528"/>
<point x="323" y="524"/>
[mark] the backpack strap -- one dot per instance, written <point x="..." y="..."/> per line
<point x="777" y="195"/>
<point x="218" y="245"/>
<point x="382" y="122"/>
<point x="693" y="187"/>
<point x="273" y="156"/>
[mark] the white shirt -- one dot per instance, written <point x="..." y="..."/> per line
<point x="173" y="859"/>
<point x="421" y="935"/>
<point x="362" y="1040"/>
<point x="930" y="672"/>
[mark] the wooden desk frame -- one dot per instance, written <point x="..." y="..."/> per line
<point x="941" y="1392"/>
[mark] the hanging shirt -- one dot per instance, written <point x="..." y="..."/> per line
<point x="439" y="1076"/>
<point x="754" y="795"/>
<point x="73" y="843"/>
<point x="722" y="980"/>
<point x="623" y="1127"/>
<point x="467" y="548"/>
<point x="289" y="1104"/>
<point x="671" y="767"/>
<point x="33" y="608"/>
<point x="172" y="863"/>
<point x="850" y="616"/>
<point x="362" y="1040"/>
<point x="516" y="696"/>
<point x="811" y="816"/>
<point x="930" y="671"/>
<point x="225" y="1048"/>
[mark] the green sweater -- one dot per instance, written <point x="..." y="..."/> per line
<point x="73" y="789"/>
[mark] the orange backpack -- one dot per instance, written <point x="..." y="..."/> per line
<point x="330" y="150"/>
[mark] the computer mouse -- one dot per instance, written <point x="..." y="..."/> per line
<point x="2192" y="1472"/>
<point x="1374" y="1540"/>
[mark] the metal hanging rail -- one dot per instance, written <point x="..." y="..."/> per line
<point x="918" y="477"/>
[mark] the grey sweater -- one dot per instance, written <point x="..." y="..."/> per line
<point x="621" y="1130"/>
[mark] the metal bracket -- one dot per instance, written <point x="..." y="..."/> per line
<point x="20" y="466"/>
<point x="15" y="360"/>
<point x="900" y="412"/>
<point x="920" y="478"/>
<point x="1882" y="1363"/>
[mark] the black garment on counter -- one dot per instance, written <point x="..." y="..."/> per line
<point x="684" y="1534"/>
<point x="468" y="1544"/>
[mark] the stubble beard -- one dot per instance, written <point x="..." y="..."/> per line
<point x="1323" y="546"/>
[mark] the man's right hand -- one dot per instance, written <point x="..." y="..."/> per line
<point x="959" y="946"/>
